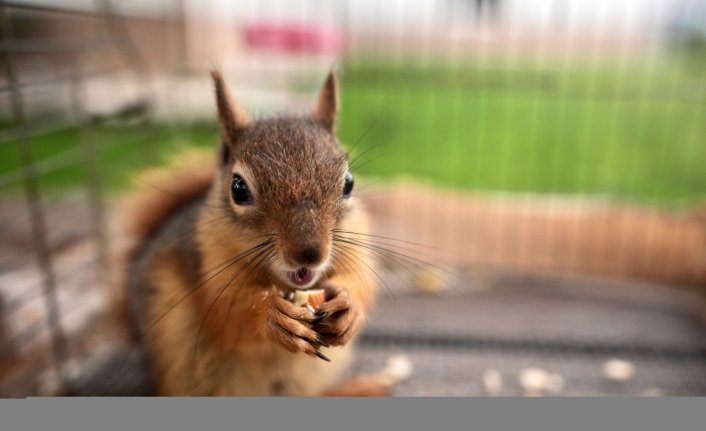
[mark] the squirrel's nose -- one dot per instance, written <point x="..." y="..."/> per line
<point x="308" y="255"/>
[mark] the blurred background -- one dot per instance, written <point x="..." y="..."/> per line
<point x="543" y="160"/>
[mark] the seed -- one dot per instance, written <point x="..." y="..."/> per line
<point x="397" y="369"/>
<point x="492" y="381"/>
<point x="429" y="281"/>
<point x="618" y="370"/>
<point x="534" y="379"/>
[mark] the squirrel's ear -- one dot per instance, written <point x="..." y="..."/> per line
<point x="327" y="105"/>
<point x="231" y="116"/>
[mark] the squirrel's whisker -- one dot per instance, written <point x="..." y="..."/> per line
<point x="191" y="230"/>
<point x="372" y="159"/>
<point x="270" y="254"/>
<point x="397" y="257"/>
<point x="223" y="266"/>
<point x="350" y="266"/>
<point x="384" y="237"/>
<point x="173" y="194"/>
<point x="227" y="263"/>
<point x="213" y="303"/>
<point x="350" y="253"/>
<point x="344" y="253"/>
<point x="388" y="255"/>
<point x="402" y="259"/>
<point x="241" y="255"/>
<point x="385" y="251"/>
<point x="385" y="245"/>
<point x="365" y="133"/>
<point x="351" y="163"/>
<point x="208" y="311"/>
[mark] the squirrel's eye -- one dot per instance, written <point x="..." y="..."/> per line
<point x="240" y="191"/>
<point x="348" y="185"/>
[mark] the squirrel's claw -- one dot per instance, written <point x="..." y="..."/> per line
<point x="322" y="356"/>
<point x="290" y="326"/>
<point x="338" y="320"/>
<point x="285" y="307"/>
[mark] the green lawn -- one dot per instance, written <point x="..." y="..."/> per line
<point x="637" y="135"/>
<point x="123" y="151"/>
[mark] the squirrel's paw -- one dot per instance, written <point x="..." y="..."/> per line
<point x="290" y="326"/>
<point x="337" y="319"/>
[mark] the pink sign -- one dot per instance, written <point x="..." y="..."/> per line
<point x="293" y="38"/>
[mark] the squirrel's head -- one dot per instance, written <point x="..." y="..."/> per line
<point x="286" y="179"/>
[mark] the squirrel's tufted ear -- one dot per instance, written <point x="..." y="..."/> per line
<point x="231" y="117"/>
<point x="327" y="105"/>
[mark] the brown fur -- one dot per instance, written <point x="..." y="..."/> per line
<point x="327" y="106"/>
<point x="217" y="328"/>
<point x="161" y="192"/>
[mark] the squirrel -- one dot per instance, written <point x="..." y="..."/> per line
<point x="214" y="248"/>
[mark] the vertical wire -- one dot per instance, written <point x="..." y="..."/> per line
<point x="59" y="347"/>
<point x="580" y="247"/>
<point x="95" y="181"/>
<point x="650" y="257"/>
<point x="136" y="62"/>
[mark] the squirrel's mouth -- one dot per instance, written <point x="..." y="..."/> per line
<point x="302" y="277"/>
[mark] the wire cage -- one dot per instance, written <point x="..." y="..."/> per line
<point x="555" y="150"/>
<point x="51" y="56"/>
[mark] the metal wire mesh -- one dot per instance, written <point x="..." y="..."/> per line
<point x="449" y="78"/>
<point x="39" y="296"/>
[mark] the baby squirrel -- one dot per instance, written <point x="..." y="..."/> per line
<point x="212" y="250"/>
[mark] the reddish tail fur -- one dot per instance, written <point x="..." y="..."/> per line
<point x="158" y="194"/>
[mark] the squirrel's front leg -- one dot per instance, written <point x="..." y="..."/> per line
<point x="291" y="327"/>
<point x="339" y="318"/>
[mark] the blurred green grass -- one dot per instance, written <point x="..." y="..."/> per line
<point x="633" y="133"/>
<point x="122" y="152"/>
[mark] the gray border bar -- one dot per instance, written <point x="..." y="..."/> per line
<point x="274" y="414"/>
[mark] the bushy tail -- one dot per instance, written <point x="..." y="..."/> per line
<point x="159" y="193"/>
